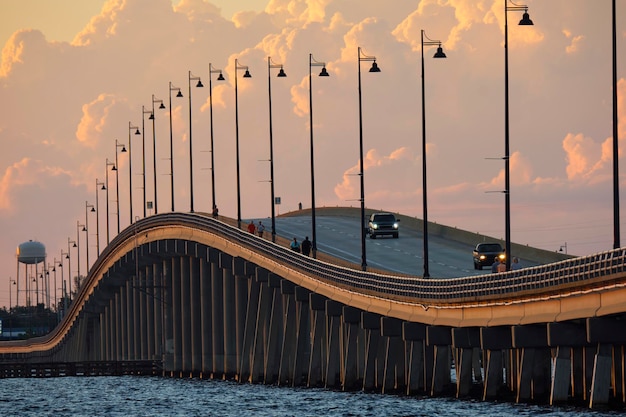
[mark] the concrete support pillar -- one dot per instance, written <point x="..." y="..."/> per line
<point x="243" y="272"/>
<point x="157" y="317"/>
<point x="103" y="337"/>
<point x="249" y="336"/>
<point x="113" y="325"/>
<point x="217" y="316"/>
<point x="261" y="332"/>
<point x="370" y="322"/>
<point x="177" y="320"/>
<point x="196" y="316"/>
<point x="122" y="331"/>
<point x="168" y="321"/>
<point x="394" y="375"/>
<point x="414" y="335"/>
<point x="350" y="370"/>
<point x="185" y="308"/>
<point x="319" y="340"/>
<point x="288" y="349"/>
<point x="137" y="335"/>
<point x="466" y="341"/>
<point x="275" y="339"/>
<point x="130" y="312"/>
<point x="335" y="343"/>
<point x="533" y="369"/>
<point x="561" y="381"/>
<point x="303" y="337"/>
<point x="440" y="339"/>
<point x="493" y="341"/>
<point x="229" y="315"/>
<point x="150" y="325"/>
<point x="143" y="315"/>
<point x="205" y="306"/>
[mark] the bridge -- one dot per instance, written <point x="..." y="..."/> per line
<point x="208" y="300"/>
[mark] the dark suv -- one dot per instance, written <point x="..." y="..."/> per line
<point x="485" y="254"/>
<point x="383" y="224"/>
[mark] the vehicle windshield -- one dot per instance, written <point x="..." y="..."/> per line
<point x="384" y="218"/>
<point x="490" y="247"/>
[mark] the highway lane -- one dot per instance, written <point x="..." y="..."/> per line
<point x="340" y="236"/>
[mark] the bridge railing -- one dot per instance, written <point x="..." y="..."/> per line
<point x="597" y="269"/>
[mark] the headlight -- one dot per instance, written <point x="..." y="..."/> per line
<point x="482" y="257"/>
<point x="374" y="226"/>
<point x="502" y="256"/>
<point x="395" y="225"/>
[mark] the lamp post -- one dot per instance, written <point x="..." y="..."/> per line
<point x="616" y="224"/>
<point x="507" y="174"/>
<point x="98" y="183"/>
<point x="69" y="264"/>
<point x="153" y="117"/>
<point x="281" y="73"/>
<point x="143" y="148"/>
<point x="117" y="182"/>
<point x="93" y="209"/>
<point x="11" y="282"/>
<point x="78" y="226"/>
<point x="374" y="68"/>
<point x="220" y="77"/>
<point x="438" y="54"/>
<point x="179" y="94"/>
<point x="245" y="75"/>
<point x="113" y="168"/>
<point x="130" y="168"/>
<point x="199" y="84"/>
<point x="323" y="73"/>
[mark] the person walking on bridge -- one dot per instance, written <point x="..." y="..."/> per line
<point x="306" y="246"/>
<point x="295" y="246"/>
<point x="251" y="227"/>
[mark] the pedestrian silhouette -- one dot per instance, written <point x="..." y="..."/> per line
<point x="306" y="246"/>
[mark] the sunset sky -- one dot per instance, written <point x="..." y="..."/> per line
<point x="74" y="73"/>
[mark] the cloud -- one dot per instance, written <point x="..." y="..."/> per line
<point x="575" y="42"/>
<point x="96" y="115"/>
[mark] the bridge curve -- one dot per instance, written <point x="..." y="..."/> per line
<point x="137" y="292"/>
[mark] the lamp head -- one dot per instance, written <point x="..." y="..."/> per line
<point x="439" y="53"/>
<point x="374" y="67"/>
<point x="324" y="73"/>
<point x="180" y="94"/>
<point x="247" y="74"/>
<point x="162" y="106"/>
<point x="123" y="148"/>
<point x="281" y="73"/>
<point x="93" y="209"/>
<point x="220" y="77"/>
<point x="137" y="132"/>
<point x="151" y="116"/>
<point x="526" y="20"/>
<point x="113" y="168"/>
<point x="74" y="245"/>
<point x="103" y="187"/>
<point x="199" y="84"/>
<point x="84" y="228"/>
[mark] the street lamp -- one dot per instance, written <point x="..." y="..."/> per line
<point x="323" y="73"/>
<point x="281" y="73"/>
<point x="69" y="263"/>
<point x="113" y="168"/>
<point x="143" y="148"/>
<point x="63" y="279"/>
<point x="130" y="168"/>
<point x="374" y="68"/>
<point x="78" y="229"/>
<point x="616" y="226"/>
<point x="152" y="116"/>
<point x="93" y="209"/>
<point x="11" y="282"/>
<point x="438" y="54"/>
<point x="220" y="77"/>
<point x="98" y="183"/>
<point x="245" y="75"/>
<point x="180" y="94"/>
<point x="507" y="177"/>
<point x="117" y="182"/>
<point x="199" y="84"/>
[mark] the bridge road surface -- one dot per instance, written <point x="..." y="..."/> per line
<point x="340" y="236"/>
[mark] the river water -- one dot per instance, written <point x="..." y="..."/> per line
<point x="131" y="396"/>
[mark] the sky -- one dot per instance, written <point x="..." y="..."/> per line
<point x="75" y="75"/>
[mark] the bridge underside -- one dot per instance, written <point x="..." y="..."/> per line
<point x="205" y="313"/>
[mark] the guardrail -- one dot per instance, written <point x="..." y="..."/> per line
<point x="550" y="279"/>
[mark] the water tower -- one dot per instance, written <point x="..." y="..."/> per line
<point x="31" y="254"/>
